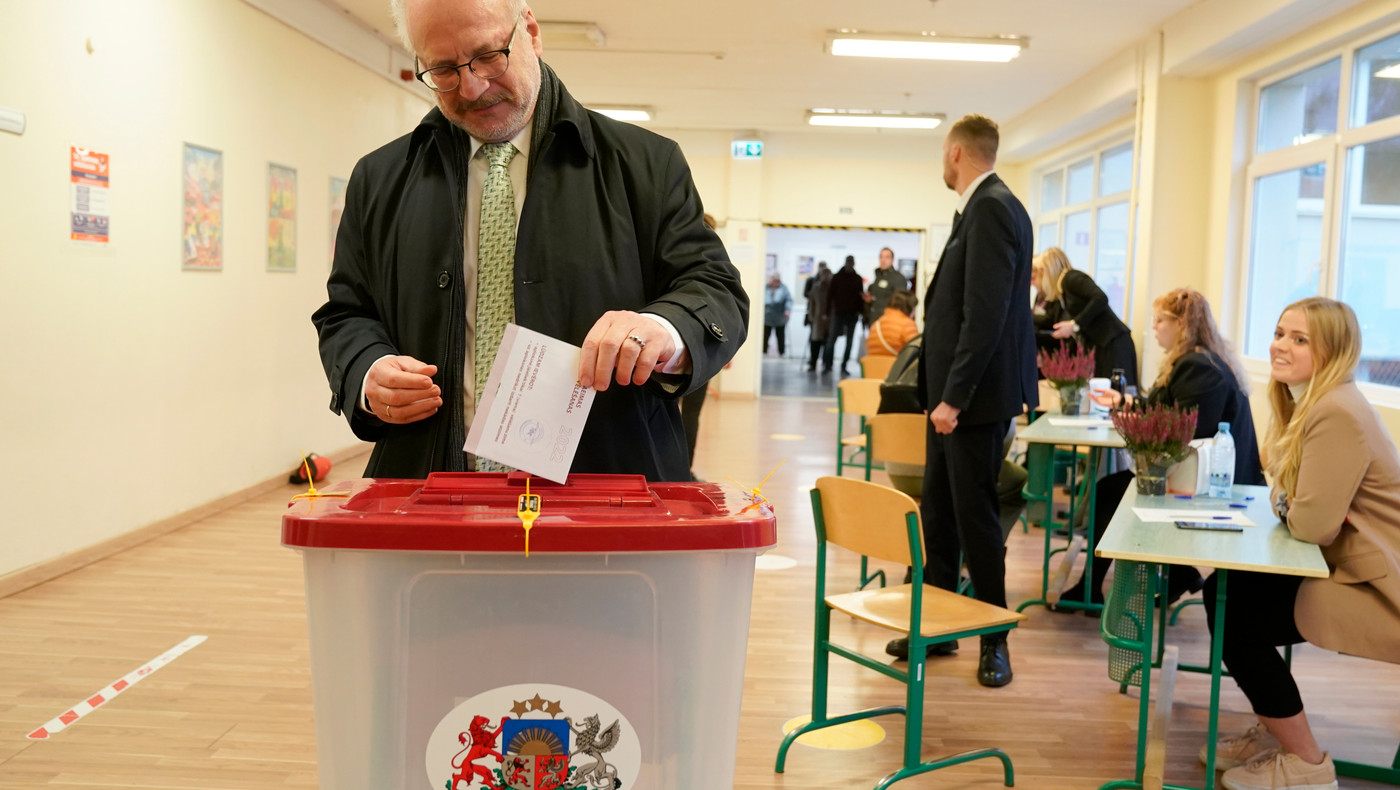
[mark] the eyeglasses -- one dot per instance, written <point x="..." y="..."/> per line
<point x="487" y="66"/>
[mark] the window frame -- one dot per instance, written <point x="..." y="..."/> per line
<point x="1041" y="217"/>
<point x="1333" y="151"/>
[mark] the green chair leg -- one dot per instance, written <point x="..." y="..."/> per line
<point x="1373" y="773"/>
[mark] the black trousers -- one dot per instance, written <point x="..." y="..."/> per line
<point x="842" y="323"/>
<point x="782" y="338"/>
<point x="1258" y="620"/>
<point x="961" y="509"/>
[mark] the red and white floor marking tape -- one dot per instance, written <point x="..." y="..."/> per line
<point x="66" y="719"/>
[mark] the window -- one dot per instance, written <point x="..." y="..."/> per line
<point x="1083" y="210"/>
<point x="1324" y="198"/>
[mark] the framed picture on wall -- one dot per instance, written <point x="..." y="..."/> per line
<point x="281" y="218"/>
<point x="908" y="267"/>
<point x="337" y="208"/>
<point x="806" y="264"/>
<point x="770" y="264"/>
<point x="203" y="185"/>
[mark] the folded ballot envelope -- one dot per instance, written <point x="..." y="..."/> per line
<point x="1192" y="474"/>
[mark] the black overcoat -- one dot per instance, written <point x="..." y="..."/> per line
<point x="611" y="221"/>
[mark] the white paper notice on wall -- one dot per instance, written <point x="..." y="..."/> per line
<point x="90" y="209"/>
<point x="532" y="414"/>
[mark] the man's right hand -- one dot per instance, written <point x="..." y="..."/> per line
<point x="400" y="390"/>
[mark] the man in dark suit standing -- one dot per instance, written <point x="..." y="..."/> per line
<point x="978" y="376"/>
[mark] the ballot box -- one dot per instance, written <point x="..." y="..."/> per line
<point x="612" y="656"/>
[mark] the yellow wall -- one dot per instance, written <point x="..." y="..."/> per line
<point x="134" y="390"/>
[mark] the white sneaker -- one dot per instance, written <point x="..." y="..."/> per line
<point x="1279" y="770"/>
<point x="1235" y="750"/>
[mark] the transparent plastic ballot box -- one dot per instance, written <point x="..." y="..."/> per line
<point x="612" y="656"/>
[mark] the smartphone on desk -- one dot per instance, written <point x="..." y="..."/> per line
<point x="1212" y="526"/>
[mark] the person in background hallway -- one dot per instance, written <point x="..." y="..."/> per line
<point x="818" y="291"/>
<point x="1336" y="483"/>
<point x="444" y="241"/>
<point x="895" y="327"/>
<point x="777" y="309"/>
<point x="1200" y="371"/>
<point x="887" y="282"/>
<point x="1081" y="308"/>
<point x="979" y="374"/>
<point x="845" y="302"/>
<point x="694" y="401"/>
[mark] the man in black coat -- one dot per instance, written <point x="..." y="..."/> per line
<point x="844" y="302"/>
<point x="610" y="253"/>
<point x="978" y="375"/>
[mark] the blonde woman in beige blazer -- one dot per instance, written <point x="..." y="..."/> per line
<point x="1336" y="483"/>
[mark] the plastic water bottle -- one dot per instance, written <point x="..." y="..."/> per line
<point x="1222" y="463"/>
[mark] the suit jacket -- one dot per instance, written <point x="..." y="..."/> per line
<point x="1085" y="303"/>
<point x="979" y="342"/>
<point x="1202" y="380"/>
<point x="1348" y="502"/>
<point x="611" y="221"/>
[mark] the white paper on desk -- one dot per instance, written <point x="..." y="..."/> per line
<point x="1080" y="422"/>
<point x="1155" y="514"/>
<point x="532" y="413"/>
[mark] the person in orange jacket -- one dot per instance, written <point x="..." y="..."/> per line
<point x="896" y="327"/>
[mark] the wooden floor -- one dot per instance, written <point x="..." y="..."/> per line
<point x="236" y="711"/>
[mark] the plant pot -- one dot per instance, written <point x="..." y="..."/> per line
<point x="1151" y="478"/>
<point x="1069" y="398"/>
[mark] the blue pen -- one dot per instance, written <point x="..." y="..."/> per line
<point x="1238" y="504"/>
<point x="1249" y="499"/>
<point x="1183" y="496"/>
<point x="1222" y="518"/>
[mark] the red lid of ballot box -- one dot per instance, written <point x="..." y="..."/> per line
<point x="476" y="512"/>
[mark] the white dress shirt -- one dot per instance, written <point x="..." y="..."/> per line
<point x="967" y="193"/>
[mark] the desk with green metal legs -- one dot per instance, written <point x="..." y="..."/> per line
<point x="1267" y="547"/>
<point x="1042" y="436"/>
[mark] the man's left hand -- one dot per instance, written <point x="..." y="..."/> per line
<point x="1063" y="330"/>
<point x="610" y="352"/>
<point x="945" y="418"/>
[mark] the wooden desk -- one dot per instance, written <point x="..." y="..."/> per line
<point x="1266" y="547"/>
<point x="1042" y="436"/>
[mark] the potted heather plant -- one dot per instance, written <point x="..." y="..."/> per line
<point x="1068" y="371"/>
<point x="1157" y="436"/>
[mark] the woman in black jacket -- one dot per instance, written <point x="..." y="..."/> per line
<point x="1200" y="371"/>
<point x="1080" y="307"/>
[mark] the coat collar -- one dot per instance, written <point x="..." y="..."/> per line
<point x="557" y="115"/>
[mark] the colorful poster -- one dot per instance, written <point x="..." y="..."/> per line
<point x="337" y="208"/>
<point x="281" y="219"/>
<point x="204" y="209"/>
<point x="90" y="210"/>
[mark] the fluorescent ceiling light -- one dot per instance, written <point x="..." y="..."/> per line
<point x="873" y="120"/>
<point x="925" y="47"/>
<point x="1390" y="72"/>
<point x="572" y="35"/>
<point x="619" y="113"/>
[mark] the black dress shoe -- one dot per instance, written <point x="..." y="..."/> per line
<point x="899" y="648"/>
<point x="994" y="668"/>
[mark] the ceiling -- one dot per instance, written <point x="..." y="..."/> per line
<point x="758" y="65"/>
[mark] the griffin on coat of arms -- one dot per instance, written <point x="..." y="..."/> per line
<point x="591" y="743"/>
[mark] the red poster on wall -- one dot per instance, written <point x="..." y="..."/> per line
<point x="90" y="209"/>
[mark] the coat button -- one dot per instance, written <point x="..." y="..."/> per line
<point x="444" y="280"/>
<point x="716" y="331"/>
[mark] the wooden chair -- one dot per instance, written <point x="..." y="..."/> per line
<point x="873" y="366"/>
<point x="860" y="397"/>
<point x="883" y="523"/>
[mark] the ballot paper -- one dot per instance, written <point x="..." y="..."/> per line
<point x="532" y="412"/>
<point x="1152" y="514"/>
<point x="1080" y="422"/>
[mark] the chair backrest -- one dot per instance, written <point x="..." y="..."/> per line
<point x="874" y="366"/>
<point x="900" y="438"/>
<point x="866" y="518"/>
<point x="860" y="396"/>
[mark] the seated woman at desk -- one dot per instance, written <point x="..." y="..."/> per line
<point x="1076" y="305"/>
<point x="1336" y="483"/>
<point x="1199" y="370"/>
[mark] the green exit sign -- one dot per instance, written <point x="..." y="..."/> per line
<point x="747" y="149"/>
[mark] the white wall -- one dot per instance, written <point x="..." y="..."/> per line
<point x="133" y="390"/>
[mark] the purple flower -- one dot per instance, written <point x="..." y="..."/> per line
<point x="1064" y="367"/>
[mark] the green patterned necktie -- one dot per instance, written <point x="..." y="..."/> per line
<point x="495" y="269"/>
